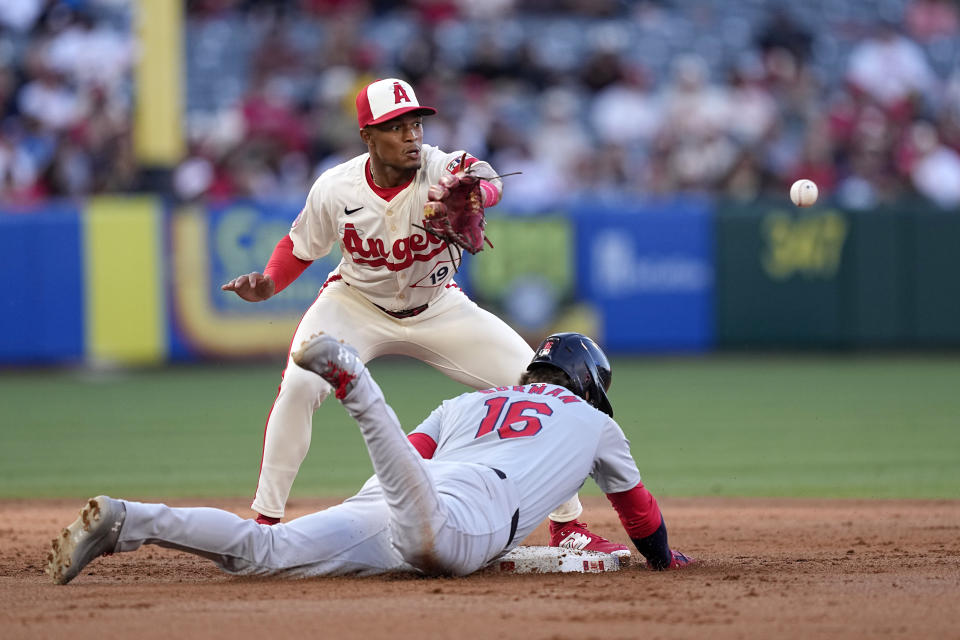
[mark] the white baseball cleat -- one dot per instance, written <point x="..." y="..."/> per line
<point x="337" y="363"/>
<point x="94" y="533"/>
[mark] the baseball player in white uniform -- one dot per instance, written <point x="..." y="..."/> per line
<point x="490" y="481"/>
<point x="392" y="293"/>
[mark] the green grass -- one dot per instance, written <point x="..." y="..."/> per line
<point x="880" y="426"/>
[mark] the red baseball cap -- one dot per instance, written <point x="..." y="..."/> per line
<point x="386" y="99"/>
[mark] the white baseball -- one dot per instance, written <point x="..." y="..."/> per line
<point x="804" y="193"/>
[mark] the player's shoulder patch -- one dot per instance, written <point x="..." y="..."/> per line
<point x="455" y="163"/>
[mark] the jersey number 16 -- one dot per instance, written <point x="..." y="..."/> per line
<point x="517" y="420"/>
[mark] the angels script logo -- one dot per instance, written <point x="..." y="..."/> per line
<point x="404" y="252"/>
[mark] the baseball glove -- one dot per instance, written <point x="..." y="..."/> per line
<point x="454" y="209"/>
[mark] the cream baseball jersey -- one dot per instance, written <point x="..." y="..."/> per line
<point x="387" y="256"/>
<point x="531" y="432"/>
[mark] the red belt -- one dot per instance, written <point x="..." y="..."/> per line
<point x="405" y="313"/>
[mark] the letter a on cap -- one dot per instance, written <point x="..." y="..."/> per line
<point x="387" y="99"/>
<point x="399" y="94"/>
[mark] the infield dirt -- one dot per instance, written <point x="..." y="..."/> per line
<point x="768" y="569"/>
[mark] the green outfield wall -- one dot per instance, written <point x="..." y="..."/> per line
<point x="827" y="277"/>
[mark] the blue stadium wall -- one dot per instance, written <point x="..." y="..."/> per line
<point x="129" y="280"/>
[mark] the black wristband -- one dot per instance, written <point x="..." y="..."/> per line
<point x="654" y="548"/>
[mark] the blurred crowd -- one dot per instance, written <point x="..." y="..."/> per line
<point x="66" y="99"/>
<point x="605" y="99"/>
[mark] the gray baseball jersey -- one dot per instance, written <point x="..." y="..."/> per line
<point x="505" y="451"/>
<point x="531" y="433"/>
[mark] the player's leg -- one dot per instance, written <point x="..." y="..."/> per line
<point x="289" y="425"/>
<point x="467" y="343"/>
<point x="350" y="538"/>
<point x="427" y="532"/>
<point x="569" y="510"/>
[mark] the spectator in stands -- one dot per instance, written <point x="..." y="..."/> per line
<point x="949" y="117"/>
<point x="930" y="19"/>
<point x="893" y="70"/>
<point x="90" y="55"/>
<point x="692" y="105"/>
<point x="782" y="33"/>
<point x="693" y="134"/>
<point x="65" y="106"/>
<point x="817" y="160"/>
<point x="588" y="114"/>
<point x="50" y="101"/>
<point x="18" y="175"/>
<point x="934" y="169"/>
<point x="869" y="176"/>
<point x="626" y="111"/>
<point x="20" y="15"/>
<point x="538" y="187"/>
<point x="750" y="111"/>
<point x="559" y="140"/>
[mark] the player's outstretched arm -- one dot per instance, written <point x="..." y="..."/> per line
<point x="641" y="518"/>
<point x="282" y="269"/>
<point x="252" y="287"/>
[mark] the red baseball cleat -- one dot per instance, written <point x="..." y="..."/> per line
<point x="679" y="561"/>
<point x="575" y="535"/>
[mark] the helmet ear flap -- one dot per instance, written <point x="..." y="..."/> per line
<point x="595" y="391"/>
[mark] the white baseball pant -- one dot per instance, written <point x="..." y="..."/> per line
<point x="436" y="517"/>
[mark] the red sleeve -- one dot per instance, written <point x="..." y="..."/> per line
<point x="424" y="444"/>
<point x="284" y="267"/>
<point x="638" y="510"/>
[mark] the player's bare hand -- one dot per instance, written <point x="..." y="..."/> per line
<point x="253" y="287"/>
